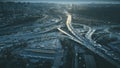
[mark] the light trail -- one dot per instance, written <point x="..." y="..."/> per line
<point x="89" y="43"/>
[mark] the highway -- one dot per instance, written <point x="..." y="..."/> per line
<point x="57" y="36"/>
<point x="87" y="42"/>
<point x="90" y="33"/>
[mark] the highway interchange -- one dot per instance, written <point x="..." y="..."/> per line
<point x="56" y="41"/>
<point x="89" y="43"/>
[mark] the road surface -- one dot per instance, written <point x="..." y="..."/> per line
<point x="88" y="43"/>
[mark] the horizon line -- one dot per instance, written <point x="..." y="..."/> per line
<point x="81" y="2"/>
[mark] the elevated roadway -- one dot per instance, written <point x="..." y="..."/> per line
<point x="86" y="41"/>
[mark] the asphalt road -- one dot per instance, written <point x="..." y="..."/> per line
<point x="89" y="43"/>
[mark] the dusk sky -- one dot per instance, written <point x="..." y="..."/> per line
<point x="64" y="0"/>
<point x="59" y="0"/>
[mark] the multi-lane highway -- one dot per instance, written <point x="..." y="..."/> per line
<point x="55" y="36"/>
<point x="87" y="42"/>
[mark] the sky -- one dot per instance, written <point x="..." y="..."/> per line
<point x="59" y="0"/>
